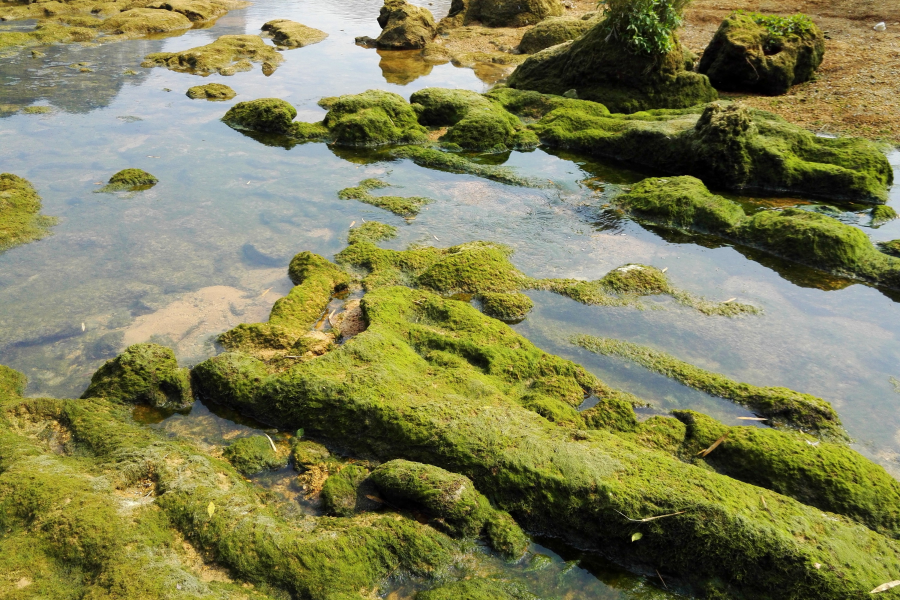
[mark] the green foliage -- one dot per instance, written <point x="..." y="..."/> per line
<point x="143" y="374"/>
<point x="644" y="26"/>
<point x="253" y="454"/>
<point x="780" y="26"/>
<point x="20" y="204"/>
<point x="781" y="405"/>
<point x="402" y="206"/>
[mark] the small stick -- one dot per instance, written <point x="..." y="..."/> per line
<point x="274" y="449"/>
<point x="661" y="579"/>
<point x="704" y="453"/>
<point x="647" y="519"/>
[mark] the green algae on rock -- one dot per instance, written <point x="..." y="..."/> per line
<point x="433" y="158"/>
<point x="473" y="121"/>
<point x="476" y="589"/>
<point x="143" y="374"/>
<point x="763" y="53"/>
<point x="211" y="91"/>
<point x="882" y="214"/>
<point x="254" y="454"/>
<point x="497" y="13"/>
<point x="782" y="406"/>
<point x="728" y="146"/>
<point x="226" y="56"/>
<point x="143" y="21"/>
<point x="506" y="306"/>
<point x="371" y="231"/>
<point x="555" y="30"/>
<point x="129" y="180"/>
<point x="802" y="236"/>
<point x="20" y="205"/>
<point x="290" y="34"/>
<point x="450" y="501"/>
<point x="196" y="10"/>
<point x="404" y="26"/>
<point x="372" y="118"/>
<point x="340" y="491"/>
<point x="433" y="380"/>
<point x="45" y="33"/>
<point x="891" y="247"/>
<point x="399" y="205"/>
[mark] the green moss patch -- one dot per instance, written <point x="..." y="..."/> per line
<point x="882" y="214"/>
<point x="251" y="455"/>
<point x="506" y="306"/>
<point x="399" y="205"/>
<point x="211" y="91"/>
<point x="340" y="491"/>
<point x="20" y="205"/>
<point x="290" y="34"/>
<point x="553" y="31"/>
<point x="445" y="161"/>
<point x="129" y="180"/>
<point x="782" y="406"/>
<point x="371" y="231"/>
<point x="143" y="21"/>
<point x="802" y="236"/>
<point x="227" y="55"/>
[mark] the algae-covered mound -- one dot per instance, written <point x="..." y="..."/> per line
<point x="143" y="374"/>
<point x="726" y="145"/>
<point x="141" y="21"/>
<point x="473" y="121"/>
<point x="372" y="118"/>
<point x="211" y="91"/>
<point x="226" y="56"/>
<point x="45" y="33"/>
<point x="604" y="70"/>
<point x="20" y="205"/>
<point x="399" y="205"/>
<point x="129" y="180"/>
<point x="500" y="13"/>
<point x="891" y="247"/>
<point x="782" y="406"/>
<point x="93" y="505"/>
<point x="553" y="31"/>
<point x="434" y="381"/>
<point x="763" y="53"/>
<point x="802" y="236"/>
<point x="882" y="214"/>
<point x="253" y="454"/>
<point x="450" y="501"/>
<point x="195" y="10"/>
<point x="506" y="306"/>
<point x="404" y="26"/>
<point x="291" y="34"/>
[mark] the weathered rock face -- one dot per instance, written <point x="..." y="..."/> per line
<point x="501" y="13"/>
<point x="749" y="54"/>
<point x="605" y="71"/>
<point x="404" y="26"/>
<point x="291" y="34"/>
<point x="555" y="30"/>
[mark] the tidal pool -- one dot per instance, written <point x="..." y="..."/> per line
<point x="208" y="246"/>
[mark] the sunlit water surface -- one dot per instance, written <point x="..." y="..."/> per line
<point x="208" y="246"/>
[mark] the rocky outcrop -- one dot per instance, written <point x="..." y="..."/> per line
<point x="404" y="26"/>
<point x="501" y="13"/>
<point x="555" y="30"/>
<point x="763" y="54"/>
<point x="291" y="34"/>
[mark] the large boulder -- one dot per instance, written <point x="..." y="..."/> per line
<point x="501" y="13"/>
<point x="404" y="26"/>
<point x="763" y="54"/>
<point x="555" y="30"/>
<point x="596" y="67"/>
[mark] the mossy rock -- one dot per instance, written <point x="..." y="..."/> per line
<point x="603" y="70"/>
<point x="291" y="34"/>
<point x="211" y="91"/>
<point x="891" y="247"/>
<point x="195" y="10"/>
<point x="339" y="494"/>
<point x="882" y="214"/>
<point x="725" y="145"/>
<point x="505" y="306"/>
<point x="404" y="26"/>
<point x="20" y="218"/>
<point x="474" y="121"/>
<point x="399" y="205"/>
<point x="230" y="379"/>
<point x="254" y="454"/>
<point x="476" y="589"/>
<point x="802" y="236"/>
<point x="306" y="454"/>
<point x="143" y="374"/>
<point x="225" y="56"/>
<point x="553" y="31"/>
<point x="372" y="118"/>
<point x="265" y="114"/>
<point x="499" y="13"/>
<point x="133" y="177"/>
<point x="747" y="55"/>
<point x="12" y="383"/>
<point x="143" y="21"/>
<point x="371" y="231"/>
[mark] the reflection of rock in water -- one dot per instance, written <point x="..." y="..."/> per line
<point x="403" y="66"/>
<point x="26" y="80"/>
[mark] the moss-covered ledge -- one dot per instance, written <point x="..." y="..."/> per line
<point x="20" y="218"/>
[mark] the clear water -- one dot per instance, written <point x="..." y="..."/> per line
<point x="208" y="246"/>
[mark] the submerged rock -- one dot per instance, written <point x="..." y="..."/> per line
<point x="555" y="30"/>
<point x="763" y="53"/>
<point x="604" y="70"/>
<point x="501" y="13"/>
<point x="130" y="180"/>
<point x="141" y="21"/>
<point x="399" y="205"/>
<point x="404" y="26"/>
<point x="20" y="205"/>
<point x="433" y="380"/>
<point x="211" y="91"/>
<point x="802" y="236"/>
<point x="143" y="374"/>
<point x="291" y="34"/>
<point x="226" y="56"/>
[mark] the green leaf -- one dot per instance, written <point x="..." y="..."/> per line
<point x="636" y="536"/>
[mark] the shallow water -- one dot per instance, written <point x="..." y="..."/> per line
<point x="208" y="246"/>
